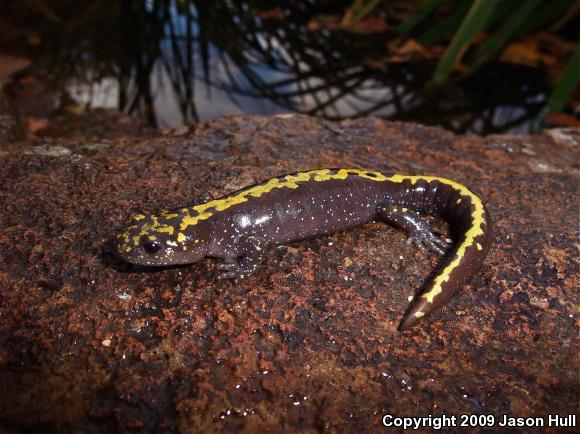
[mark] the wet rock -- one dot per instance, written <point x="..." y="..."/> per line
<point x="309" y="343"/>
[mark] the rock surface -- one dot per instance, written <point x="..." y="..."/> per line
<point x="309" y="343"/>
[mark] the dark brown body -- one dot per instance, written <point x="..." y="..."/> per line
<point x="240" y="226"/>
<point x="285" y="215"/>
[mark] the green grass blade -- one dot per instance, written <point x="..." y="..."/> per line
<point x="472" y="24"/>
<point x="501" y="11"/>
<point x="440" y="29"/>
<point x="419" y="14"/>
<point x="365" y="10"/>
<point x="566" y="83"/>
<point x="550" y="11"/>
<point x="510" y="27"/>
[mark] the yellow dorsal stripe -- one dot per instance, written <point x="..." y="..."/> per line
<point x="289" y="181"/>
<point x="206" y="210"/>
<point x="475" y="230"/>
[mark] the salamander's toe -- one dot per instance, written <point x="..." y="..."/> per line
<point x="426" y="239"/>
<point x="417" y="242"/>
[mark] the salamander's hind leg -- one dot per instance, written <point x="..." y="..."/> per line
<point x="420" y="232"/>
<point x="253" y="250"/>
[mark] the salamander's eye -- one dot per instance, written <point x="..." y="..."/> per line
<point x="152" y="247"/>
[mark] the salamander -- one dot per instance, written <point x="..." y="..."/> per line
<point x="240" y="227"/>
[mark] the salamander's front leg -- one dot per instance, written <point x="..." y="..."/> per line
<point x="418" y="229"/>
<point x="253" y="250"/>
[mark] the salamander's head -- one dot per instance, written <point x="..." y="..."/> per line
<point x="169" y="238"/>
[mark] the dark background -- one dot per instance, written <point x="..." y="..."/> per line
<point x="469" y="66"/>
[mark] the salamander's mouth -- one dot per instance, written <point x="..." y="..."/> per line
<point x="147" y="257"/>
<point x="138" y="256"/>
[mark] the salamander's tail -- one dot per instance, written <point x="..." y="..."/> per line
<point x="471" y="230"/>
